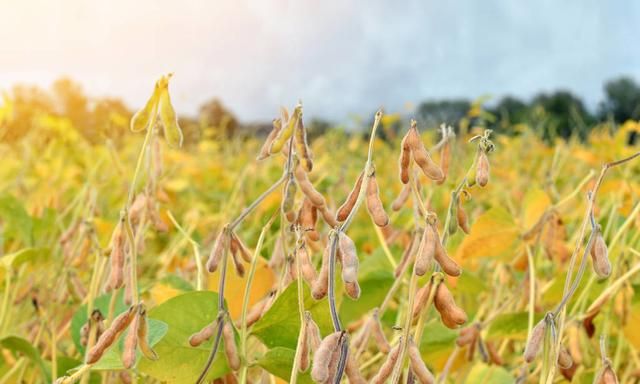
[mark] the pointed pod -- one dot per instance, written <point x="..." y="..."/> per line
<point x="600" y="256"/>
<point x="426" y="251"/>
<point x="140" y="120"/>
<point x="418" y="366"/>
<point x="536" y="339"/>
<point x="452" y="316"/>
<point x="346" y="208"/>
<point x="322" y="357"/>
<point x="172" y="130"/>
<point x="482" y="169"/>
<point x="374" y="204"/>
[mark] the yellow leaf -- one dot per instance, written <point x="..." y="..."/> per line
<point x="535" y="202"/>
<point x="494" y="234"/>
<point x="630" y="330"/>
<point x="163" y="292"/>
<point x="234" y="290"/>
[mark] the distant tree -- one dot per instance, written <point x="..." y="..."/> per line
<point x="214" y="116"/>
<point x="622" y="100"/>
<point x="563" y="115"/>
<point x="509" y="111"/>
<point x="434" y="113"/>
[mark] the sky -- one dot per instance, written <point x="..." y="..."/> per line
<point x="339" y="57"/>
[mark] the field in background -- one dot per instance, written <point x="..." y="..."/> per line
<point x="53" y="178"/>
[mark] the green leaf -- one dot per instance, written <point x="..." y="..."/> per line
<point x="80" y="317"/>
<point x="24" y="347"/>
<point x="185" y="315"/>
<point x="280" y="325"/>
<point x="511" y="325"/>
<point x="279" y="362"/>
<point x="67" y="364"/>
<point x="494" y="374"/>
<point x="17" y="222"/>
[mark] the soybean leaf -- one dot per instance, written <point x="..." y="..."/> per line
<point x="511" y="325"/>
<point x="24" y="347"/>
<point x="483" y="373"/>
<point x="178" y="362"/>
<point x="80" y="317"/>
<point x="279" y="362"/>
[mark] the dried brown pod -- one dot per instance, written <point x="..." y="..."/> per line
<point x="573" y="336"/>
<point x="110" y="334"/>
<point x="468" y="336"/>
<point x="265" y="150"/>
<point x="230" y="350"/>
<point x="426" y="251"/>
<point x="288" y="199"/>
<point x="321" y="284"/>
<point x="408" y="252"/>
<point x="378" y="333"/>
<point x="304" y="355"/>
<point x="536" y="339"/>
<point x="307" y="187"/>
<point x="307" y="218"/>
<point x="564" y="358"/>
<point x="494" y="355"/>
<point x="346" y="208"/>
<point x="348" y="257"/>
<point x="69" y="232"/>
<point x="402" y="198"/>
<point x="445" y="159"/>
<point x="218" y="250"/>
<point x="98" y="320"/>
<point x="374" y="204"/>
<point x="302" y="147"/>
<point x="607" y="375"/>
<point x="203" y="335"/>
<point x="387" y="367"/>
<point x="405" y="159"/>
<point x="448" y="265"/>
<point x="322" y="357"/>
<point x="313" y="332"/>
<point x="237" y="246"/>
<point x="131" y="342"/>
<point x="237" y="263"/>
<point x="451" y="315"/>
<point x="482" y="169"/>
<point x="421" y="156"/>
<point x="255" y="313"/>
<point x="600" y="256"/>
<point x="418" y="366"/>
<point x="277" y="257"/>
<point x="328" y="216"/>
<point x="461" y="215"/>
<point x="353" y="289"/>
<point x="137" y="208"/>
<point x="118" y="243"/>
<point x="143" y="341"/>
<point x="422" y="296"/>
<point x="308" y="271"/>
<point x="353" y="371"/>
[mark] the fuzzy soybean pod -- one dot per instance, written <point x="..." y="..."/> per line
<point x="445" y="159"/>
<point x="353" y="371"/>
<point x="482" y="169"/>
<point x="452" y="316"/>
<point x="349" y="258"/>
<point x="303" y="356"/>
<point x="264" y="151"/>
<point x="321" y="284"/>
<point x="427" y="250"/>
<point x="203" y="335"/>
<point x="564" y="358"/>
<point x="449" y="266"/>
<point x="346" y="208"/>
<point x="600" y="256"/>
<point x="402" y="198"/>
<point x="235" y="257"/>
<point x="387" y="367"/>
<point x="308" y="271"/>
<point x="307" y="218"/>
<point x="461" y="215"/>
<point x="118" y="243"/>
<point x="230" y="349"/>
<point x="607" y="375"/>
<point x="131" y="342"/>
<point x="172" y="131"/>
<point x="288" y="199"/>
<point x="218" y="250"/>
<point x="241" y="248"/>
<point x="313" y="332"/>
<point x="110" y="334"/>
<point x="322" y="358"/>
<point x="286" y="132"/>
<point x="307" y="187"/>
<point x="374" y="204"/>
<point x="143" y="337"/>
<point x="418" y="366"/>
<point x="468" y="336"/>
<point x="421" y="156"/>
<point x="378" y="333"/>
<point x="535" y="341"/>
<point x="352" y="288"/>
<point x="404" y="162"/>
<point x="306" y="158"/>
<point x="422" y="296"/>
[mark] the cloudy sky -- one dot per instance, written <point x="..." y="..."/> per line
<point x="339" y="57"/>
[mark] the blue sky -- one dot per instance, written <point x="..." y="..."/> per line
<point x="339" y="57"/>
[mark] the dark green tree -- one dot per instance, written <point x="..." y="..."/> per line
<point x="622" y="100"/>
